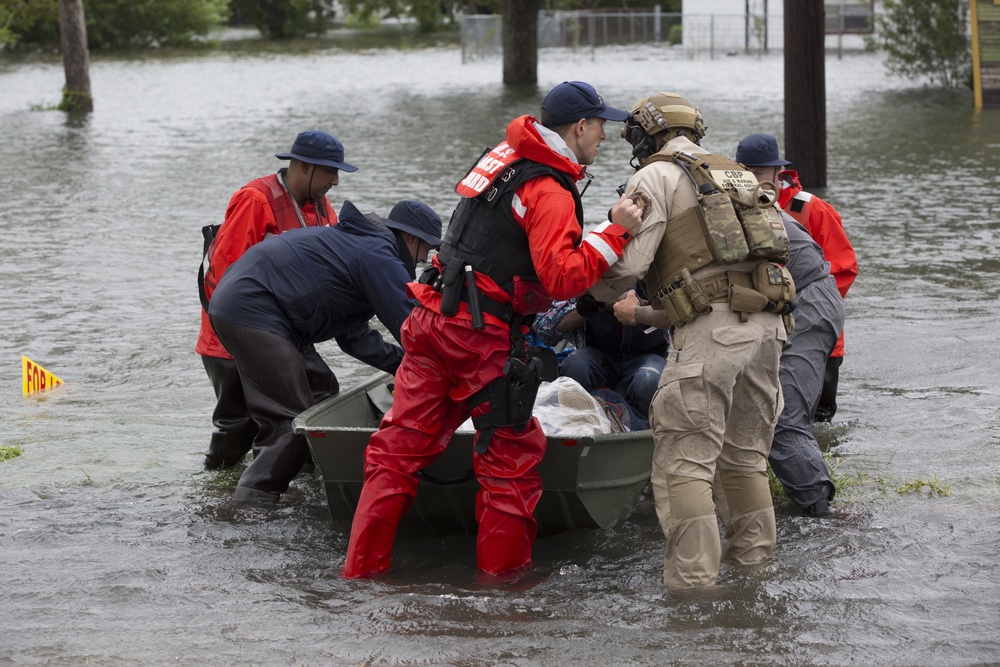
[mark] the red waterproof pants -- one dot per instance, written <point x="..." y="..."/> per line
<point x="446" y="362"/>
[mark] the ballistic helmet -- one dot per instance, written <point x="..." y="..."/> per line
<point x="663" y="112"/>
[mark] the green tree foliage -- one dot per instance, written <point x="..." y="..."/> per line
<point x="30" y="22"/>
<point x="116" y="24"/>
<point x="429" y="14"/>
<point x="6" y="17"/>
<point x="283" y="19"/>
<point x="926" y="38"/>
<point x="126" y="24"/>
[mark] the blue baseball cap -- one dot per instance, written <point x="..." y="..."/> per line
<point x="572" y="100"/>
<point x="759" y="150"/>
<point x="317" y="147"/>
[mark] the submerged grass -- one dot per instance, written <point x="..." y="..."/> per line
<point x="8" y="452"/>
<point x="846" y="482"/>
<point x="932" y="487"/>
<point x="841" y="480"/>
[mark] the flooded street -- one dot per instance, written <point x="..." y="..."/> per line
<point x="117" y="548"/>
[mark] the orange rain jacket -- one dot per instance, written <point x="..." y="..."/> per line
<point x="826" y="227"/>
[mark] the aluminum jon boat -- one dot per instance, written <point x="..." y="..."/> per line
<point x="590" y="481"/>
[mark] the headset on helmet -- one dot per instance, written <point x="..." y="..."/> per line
<point x="662" y="112"/>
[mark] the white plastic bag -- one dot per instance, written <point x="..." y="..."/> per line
<point x="563" y="407"/>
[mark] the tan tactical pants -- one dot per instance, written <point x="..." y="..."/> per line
<point x="715" y="411"/>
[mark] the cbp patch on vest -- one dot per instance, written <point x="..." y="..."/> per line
<point x="642" y="200"/>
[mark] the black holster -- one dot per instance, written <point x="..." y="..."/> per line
<point x="512" y="395"/>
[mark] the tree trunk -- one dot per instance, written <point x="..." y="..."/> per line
<point x="805" y="90"/>
<point x="520" y="41"/>
<point x="76" y="57"/>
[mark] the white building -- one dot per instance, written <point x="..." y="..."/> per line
<point x="758" y="25"/>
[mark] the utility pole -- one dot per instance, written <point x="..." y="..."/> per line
<point x="520" y="41"/>
<point x="76" y="57"/>
<point x="805" y="90"/>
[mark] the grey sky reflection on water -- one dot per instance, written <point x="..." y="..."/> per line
<point x="114" y="531"/>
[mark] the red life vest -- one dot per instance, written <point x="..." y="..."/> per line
<point x="283" y="204"/>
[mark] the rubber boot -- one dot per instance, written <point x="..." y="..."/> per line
<point x="226" y="449"/>
<point x="820" y="509"/>
<point x="246" y="494"/>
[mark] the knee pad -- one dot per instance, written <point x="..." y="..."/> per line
<point x="746" y="491"/>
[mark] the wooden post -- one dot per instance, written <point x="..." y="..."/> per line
<point x="520" y="41"/>
<point x="805" y="90"/>
<point x="76" y="57"/>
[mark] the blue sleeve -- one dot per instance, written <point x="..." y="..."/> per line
<point x="367" y="345"/>
<point x="383" y="278"/>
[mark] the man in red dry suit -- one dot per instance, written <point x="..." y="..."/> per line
<point x="514" y="243"/>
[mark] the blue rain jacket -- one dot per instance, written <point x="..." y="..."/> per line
<point x="314" y="284"/>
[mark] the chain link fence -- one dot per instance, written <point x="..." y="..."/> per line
<point x="685" y="34"/>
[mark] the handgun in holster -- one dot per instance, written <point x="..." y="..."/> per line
<point x="512" y="395"/>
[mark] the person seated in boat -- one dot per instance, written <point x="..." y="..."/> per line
<point x="617" y="362"/>
<point x="304" y="287"/>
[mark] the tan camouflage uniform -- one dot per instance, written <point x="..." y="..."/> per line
<point x="716" y="407"/>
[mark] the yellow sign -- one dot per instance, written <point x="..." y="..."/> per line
<point x="35" y="378"/>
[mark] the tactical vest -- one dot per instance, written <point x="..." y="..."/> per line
<point x="484" y="234"/>
<point x="735" y="220"/>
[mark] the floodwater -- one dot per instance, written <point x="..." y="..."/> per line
<point x="116" y="548"/>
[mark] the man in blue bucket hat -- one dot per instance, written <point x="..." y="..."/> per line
<point x="291" y="198"/>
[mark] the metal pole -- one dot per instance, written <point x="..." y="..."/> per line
<point x="593" y="39"/>
<point x="711" y="38"/>
<point x="767" y="22"/>
<point x="746" y="26"/>
<point x="840" y="37"/>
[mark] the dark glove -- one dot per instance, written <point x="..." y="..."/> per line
<point x="587" y="306"/>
